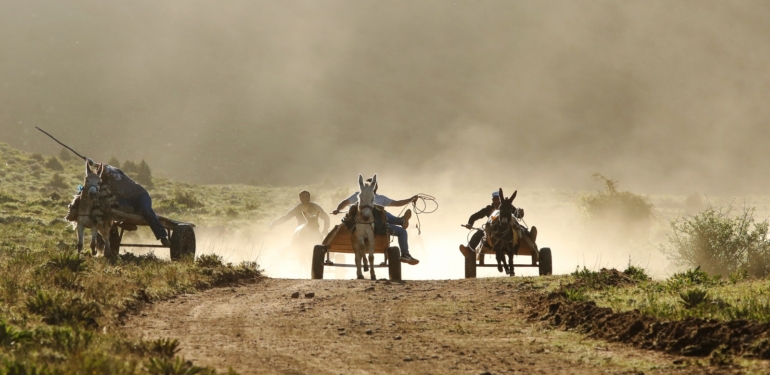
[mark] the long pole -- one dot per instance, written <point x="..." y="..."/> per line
<point x="65" y="146"/>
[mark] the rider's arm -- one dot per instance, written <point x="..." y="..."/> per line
<point x="284" y="218"/>
<point x="325" y="217"/>
<point x="341" y="206"/>
<point x="403" y="202"/>
<point x="484" y="212"/>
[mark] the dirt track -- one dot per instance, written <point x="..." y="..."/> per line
<point x="364" y="327"/>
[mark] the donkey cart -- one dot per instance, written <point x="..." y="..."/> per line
<point x="544" y="263"/>
<point x="338" y="241"/>
<point x="180" y="234"/>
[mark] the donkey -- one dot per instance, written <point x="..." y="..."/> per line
<point x="89" y="199"/>
<point x="501" y="235"/>
<point x="308" y="234"/>
<point x="362" y="236"/>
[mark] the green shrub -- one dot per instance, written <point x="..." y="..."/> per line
<point x="54" y="164"/>
<point x="57" y="182"/>
<point x="166" y="348"/>
<point x="67" y="260"/>
<point x="114" y="162"/>
<point x="576" y="294"/>
<point x="623" y="212"/>
<point x="636" y="273"/>
<point x="57" y="309"/>
<point x="719" y="243"/>
<point x="129" y="168"/>
<point x="209" y="261"/>
<point x="165" y="366"/>
<point x="65" y="154"/>
<point x="144" y="174"/>
<point x="38" y="157"/>
<point x="692" y="298"/>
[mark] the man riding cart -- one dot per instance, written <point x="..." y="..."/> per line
<point x="396" y="225"/>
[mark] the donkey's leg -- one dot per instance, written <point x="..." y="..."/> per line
<point x="510" y="262"/>
<point x="500" y="260"/>
<point x="94" y="233"/>
<point x="106" y="236"/>
<point x="371" y="258"/>
<point x="81" y="236"/>
<point x="358" y="250"/>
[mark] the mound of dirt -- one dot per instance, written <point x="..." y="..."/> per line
<point x="689" y="337"/>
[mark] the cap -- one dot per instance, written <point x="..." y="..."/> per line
<point x="495" y="194"/>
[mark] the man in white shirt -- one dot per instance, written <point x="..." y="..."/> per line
<point x="306" y="206"/>
<point x="396" y="225"/>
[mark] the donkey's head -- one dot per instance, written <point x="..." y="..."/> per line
<point x="506" y="207"/>
<point x="366" y="198"/>
<point x="92" y="181"/>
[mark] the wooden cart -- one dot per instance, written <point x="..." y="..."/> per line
<point x="544" y="265"/>
<point x="338" y="241"/>
<point x="180" y="234"/>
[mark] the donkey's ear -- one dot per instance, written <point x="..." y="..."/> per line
<point x="360" y="182"/>
<point x="514" y="195"/>
<point x="88" y="169"/>
<point x="501" y="194"/>
<point x="374" y="180"/>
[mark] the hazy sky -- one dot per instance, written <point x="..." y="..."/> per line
<point x="665" y="96"/>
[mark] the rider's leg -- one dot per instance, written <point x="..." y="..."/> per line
<point x="392" y="219"/>
<point x="145" y="207"/>
<point x="475" y="239"/>
<point x="403" y="238"/>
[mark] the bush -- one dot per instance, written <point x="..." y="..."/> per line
<point x="57" y="182"/>
<point x="623" y="210"/>
<point x="114" y="162"/>
<point x="65" y="155"/>
<point x="721" y="244"/>
<point x="129" y="167"/>
<point x="144" y="175"/>
<point x="54" y="164"/>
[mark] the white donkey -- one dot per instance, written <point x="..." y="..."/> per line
<point x="362" y="237"/>
<point x="89" y="215"/>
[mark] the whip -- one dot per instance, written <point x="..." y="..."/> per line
<point x="65" y="146"/>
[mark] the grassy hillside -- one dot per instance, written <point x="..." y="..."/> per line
<point x="58" y="311"/>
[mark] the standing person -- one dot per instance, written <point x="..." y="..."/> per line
<point x="396" y="225"/>
<point x="484" y="212"/>
<point x="308" y="208"/>
<point x="129" y="193"/>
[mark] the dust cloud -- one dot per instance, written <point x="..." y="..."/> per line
<point x="454" y="99"/>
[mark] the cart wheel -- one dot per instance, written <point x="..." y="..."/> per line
<point x="470" y="266"/>
<point x="394" y="263"/>
<point x="183" y="242"/>
<point x="546" y="265"/>
<point x="114" y="242"/>
<point x="317" y="268"/>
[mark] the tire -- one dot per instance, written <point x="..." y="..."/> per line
<point x="183" y="243"/>
<point x="394" y="263"/>
<point x="470" y="266"/>
<point x="317" y="267"/>
<point x="546" y="264"/>
<point x="114" y="242"/>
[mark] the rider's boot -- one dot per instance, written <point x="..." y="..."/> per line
<point x="466" y="251"/>
<point x="405" y="218"/>
<point x="533" y="234"/>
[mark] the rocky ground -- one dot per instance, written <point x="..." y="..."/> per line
<point x="477" y="326"/>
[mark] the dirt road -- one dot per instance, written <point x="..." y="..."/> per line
<point x="363" y="327"/>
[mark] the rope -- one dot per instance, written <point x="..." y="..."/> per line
<point x="424" y="199"/>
